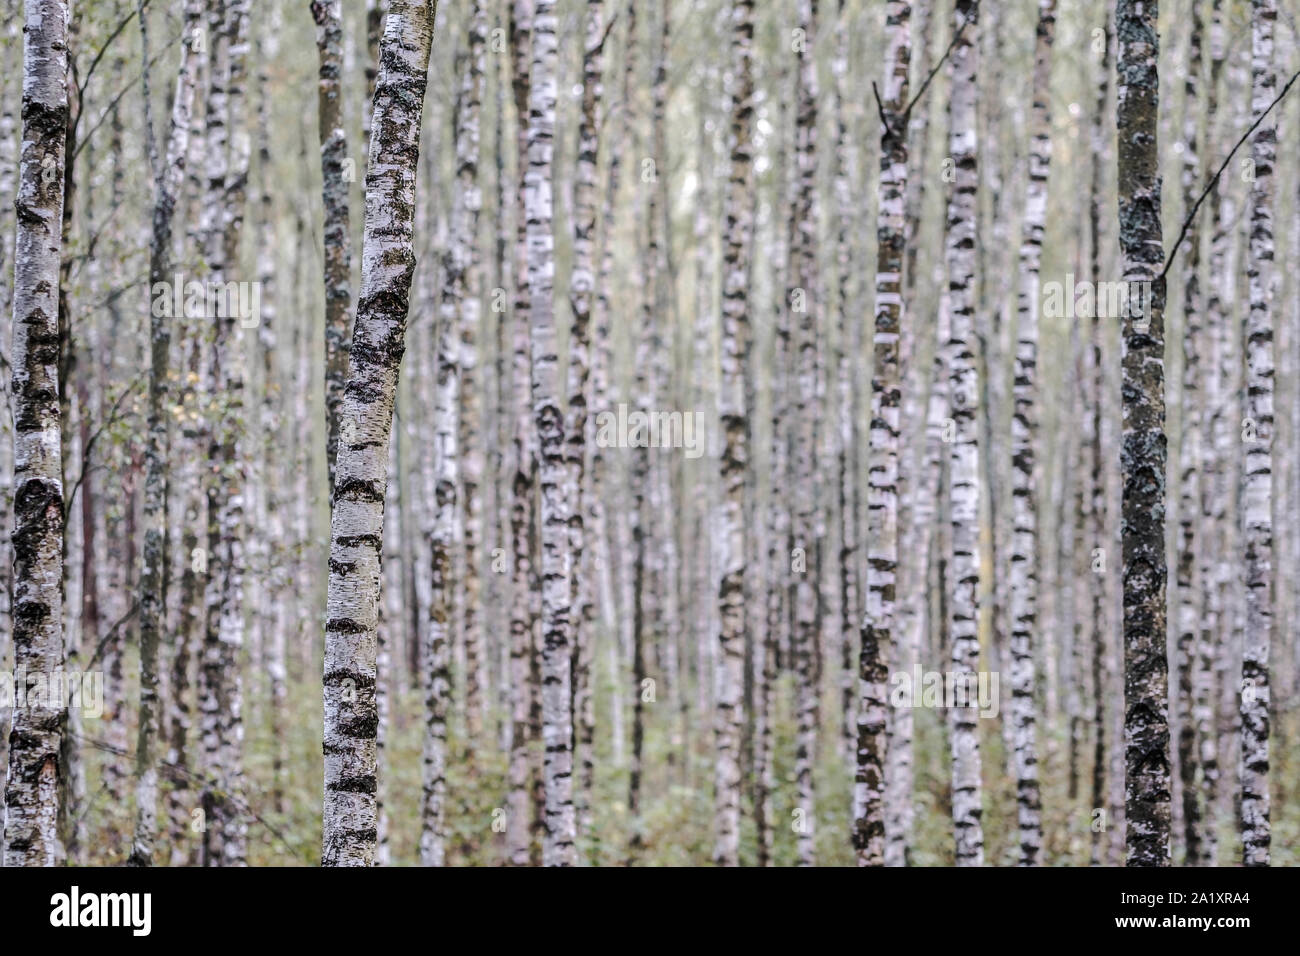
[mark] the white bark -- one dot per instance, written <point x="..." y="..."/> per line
<point x="356" y="525"/>
<point x="1025" y="553"/>
<point x="31" y="798"/>
<point x="558" y="848"/>
<point x="964" y="490"/>
<point x="738" y="242"/>
<point x="1257" y="476"/>
<point x="882" y="501"/>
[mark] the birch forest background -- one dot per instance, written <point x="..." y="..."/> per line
<point x="650" y="432"/>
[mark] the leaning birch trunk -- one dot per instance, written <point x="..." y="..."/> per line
<point x="582" y="288"/>
<point x="167" y="182"/>
<point x="1143" y="452"/>
<point x="31" y="809"/>
<point x="328" y="15"/>
<point x="882" y="468"/>
<point x="1024" y="435"/>
<point x="733" y="414"/>
<point x="1257" y="477"/>
<point x="964" y="487"/>
<point x="356" y="522"/>
<point x="559" y="847"/>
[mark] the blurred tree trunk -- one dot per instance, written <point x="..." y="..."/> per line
<point x="1025" y="552"/>
<point x="167" y="179"/>
<point x="1098" y="525"/>
<point x="1257" y="477"/>
<point x="804" y="299"/>
<point x="328" y="15"/>
<point x="1190" y="455"/>
<point x="737" y="246"/>
<point x="523" y="579"/>
<point x="559" y="847"/>
<point x="882" y="505"/>
<point x="964" y="490"/>
<point x="581" y="292"/>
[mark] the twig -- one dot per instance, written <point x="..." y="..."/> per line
<point x="205" y="784"/>
<point x="919" y="93"/>
<point x="108" y="636"/>
<point x="85" y="82"/>
<point x="90" y="443"/>
<point x="880" y="106"/>
<point x="108" y="110"/>
<point x="1187" y="223"/>
<point x="605" y="36"/>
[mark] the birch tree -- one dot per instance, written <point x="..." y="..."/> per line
<point x="1143" y="447"/>
<point x="738" y="234"/>
<point x="1257" y="431"/>
<point x="882" y="501"/>
<point x="468" y="139"/>
<point x="167" y="182"/>
<point x="357" y="515"/>
<point x="31" y="809"/>
<point x="1024" y="427"/>
<point x="963" y="456"/>
<point x="1189" y="455"/>
<point x="457" y="310"/>
<point x="805" y="299"/>
<point x="559" y="848"/>
<point x="522" y="489"/>
<point x="328" y="15"/>
<point x="581" y="294"/>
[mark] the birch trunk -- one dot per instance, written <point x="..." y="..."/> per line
<point x="558" y="848"/>
<point x="167" y="183"/>
<point x="643" y="280"/>
<point x="733" y="415"/>
<point x="964" y="490"/>
<point x="220" y="685"/>
<point x="1025" y="553"/>
<point x="849" y="347"/>
<point x="777" y="539"/>
<point x="882" y="500"/>
<point x="805" y="299"/>
<point x="468" y="138"/>
<point x="458" y="312"/>
<point x="1097" y="526"/>
<point x="1189" y="458"/>
<point x="1216" y="436"/>
<point x="605" y="532"/>
<point x="31" y="835"/>
<point x="356" y="526"/>
<point x="581" y="293"/>
<point x="1143" y="451"/>
<point x="12" y="66"/>
<point x="1257" y="477"/>
<point x="523" y="575"/>
<point x="328" y="15"/>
